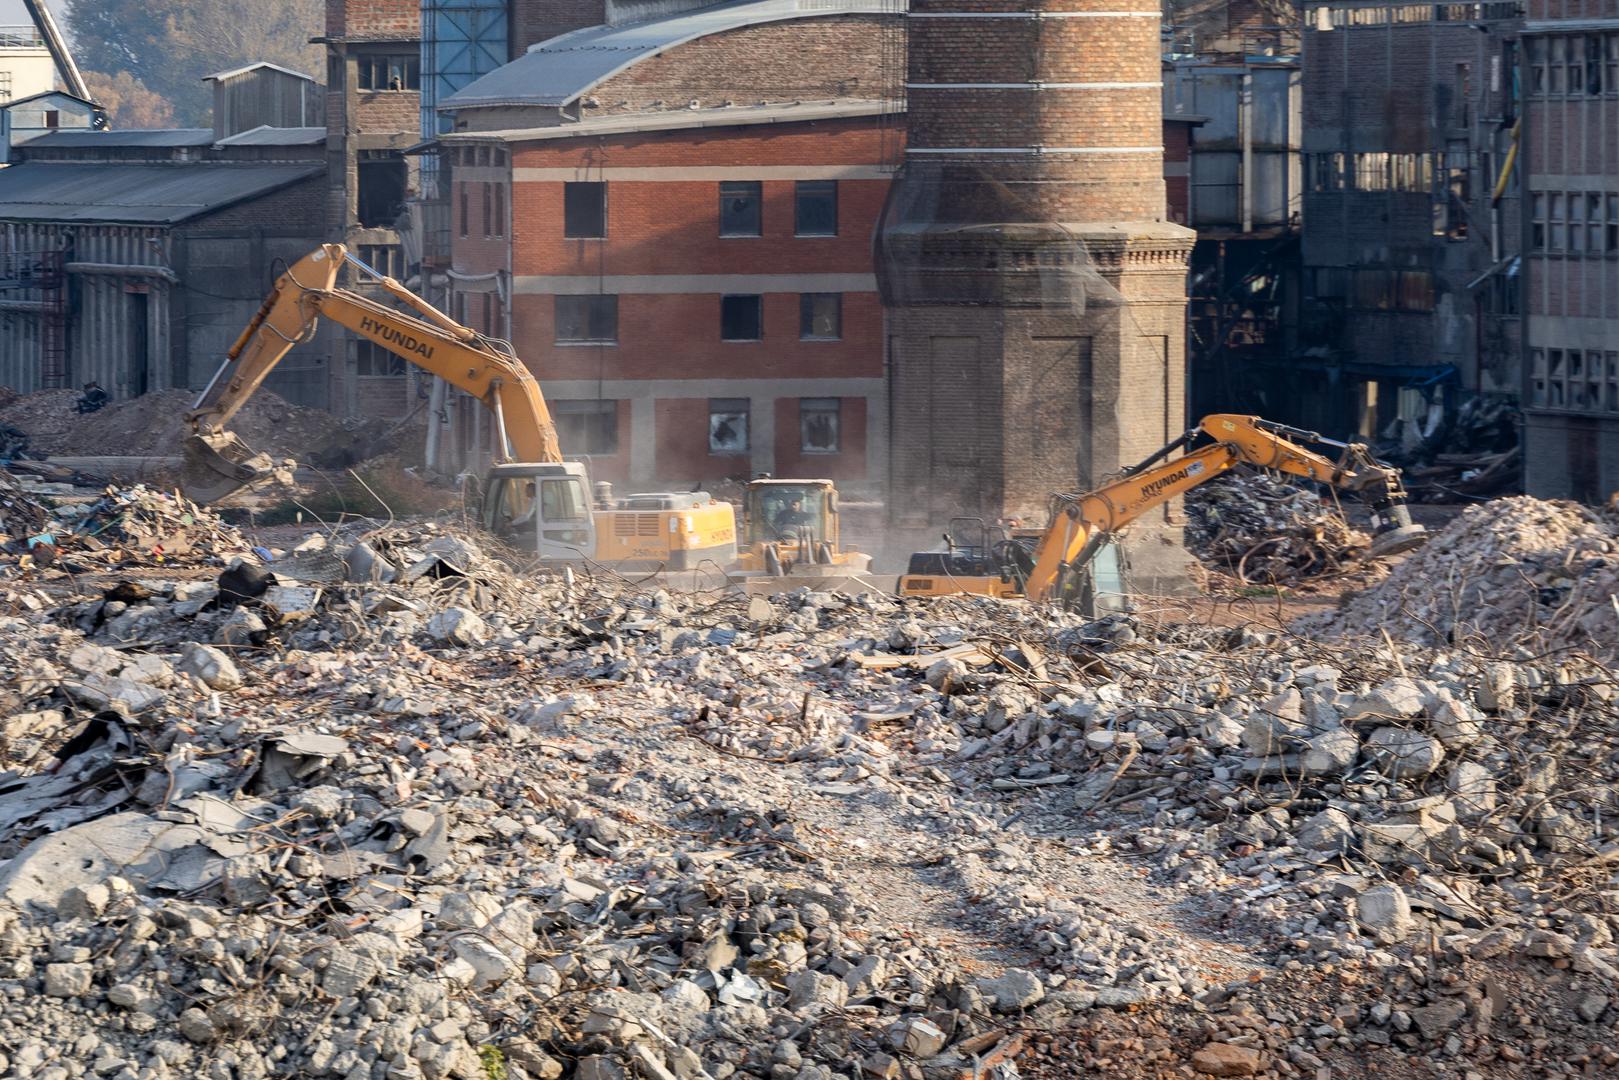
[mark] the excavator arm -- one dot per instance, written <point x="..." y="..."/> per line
<point x="1080" y="523"/>
<point x="218" y="462"/>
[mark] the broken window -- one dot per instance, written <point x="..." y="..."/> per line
<point x="498" y="227"/>
<point x="466" y="216"/>
<point x="488" y="210"/>
<point x="1611" y="226"/>
<point x="372" y="361"/>
<point x="1537" y="239"/>
<point x="1611" y="81"/>
<point x="584" y="210"/>
<point x="741" y="318"/>
<point x="819" y="425"/>
<point x="1593" y="64"/>
<point x="820" y="316"/>
<point x="816" y="208"/>
<point x="386" y="259"/>
<point x="381" y="196"/>
<point x="587" y="427"/>
<point x="53" y="118"/>
<point x="1537" y="66"/>
<point x="402" y="71"/>
<point x="587" y="319"/>
<point x="727" y="425"/>
<point x="740" y="208"/>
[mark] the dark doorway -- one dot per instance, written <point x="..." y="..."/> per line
<point x="381" y="182"/>
<point x="139" y="352"/>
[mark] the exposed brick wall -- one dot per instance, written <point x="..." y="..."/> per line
<point x="677" y="336"/>
<point x="534" y="21"/>
<point x="838" y="56"/>
<point x="394" y="110"/>
<point x="682" y="441"/>
<point x="375" y="20"/>
<point x="300" y="202"/>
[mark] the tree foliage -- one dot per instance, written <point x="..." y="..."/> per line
<point x="129" y="102"/>
<point x="169" y="45"/>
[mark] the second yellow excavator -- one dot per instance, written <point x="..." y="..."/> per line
<point x="531" y="495"/>
<point x="1055" y="563"/>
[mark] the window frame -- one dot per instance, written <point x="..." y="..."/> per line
<point x="587" y="318"/>
<point x="571" y="187"/>
<point x="751" y="190"/>
<point x="830" y="187"/>
<point x="806" y="316"/>
<point x="366" y="355"/>
<point x="759" y="316"/>
<point x="811" y="407"/>
<point x="366" y="66"/>
<point x="742" y="407"/>
<point x="596" y="409"/>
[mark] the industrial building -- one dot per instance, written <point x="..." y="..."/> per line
<point x="1570" y="241"/>
<point x="134" y="258"/>
<point x="1410" y="263"/>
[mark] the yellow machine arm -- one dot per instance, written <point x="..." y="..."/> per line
<point x="429" y="339"/>
<point x="1079" y="523"/>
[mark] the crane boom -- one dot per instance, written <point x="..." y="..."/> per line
<point x="57" y="46"/>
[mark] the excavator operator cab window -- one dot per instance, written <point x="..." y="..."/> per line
<point x="563" y="513"/>
<point x="787" y="510"/>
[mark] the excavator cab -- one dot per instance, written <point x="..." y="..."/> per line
<point x="543" y="508"/>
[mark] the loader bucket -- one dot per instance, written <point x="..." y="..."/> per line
<point x="219" y="464"/>
<point x="1397" y="541"/>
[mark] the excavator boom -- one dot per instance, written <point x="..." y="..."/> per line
<point x="1080" y="523"/>
<point x="218" y="463"/>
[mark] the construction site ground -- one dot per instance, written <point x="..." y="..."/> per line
<point x="378" y="807"/>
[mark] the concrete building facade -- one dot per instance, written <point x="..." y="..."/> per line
<point x="26" y="67"/>
<point x="1034" y="291"/>
<point x="1411" y="287"/>
<point x="1570" y="154"/>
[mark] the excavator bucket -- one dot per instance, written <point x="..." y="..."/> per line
<point x="219" y="464"/>
<point x="1397" y="541"/>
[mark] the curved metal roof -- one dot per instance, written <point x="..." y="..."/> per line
<point x="557" y="71"/>
<point x="136" y="194"/>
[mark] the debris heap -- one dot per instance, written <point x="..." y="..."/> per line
<point x="1513" y="574"/>
<point x="376" y="807"/>
<point x="1265" y="529"/>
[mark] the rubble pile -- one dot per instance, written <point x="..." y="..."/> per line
<point x="130" y="526"/>
<point x="1512" y="575"/>
<point x="376" y="808"/>
<point x="1266" y="529"/>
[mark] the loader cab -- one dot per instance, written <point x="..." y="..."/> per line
<point x="792" y="512"/>
<point x="541" y="508"/>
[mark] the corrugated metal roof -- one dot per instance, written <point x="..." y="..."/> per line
<point x="556" y="72"/>
<point x="245" y="68"/>
<point x="265" y="135"/>
<point x="145" y="194"/>
<point x="675" y="119"/>
<point x="131" y="137"/>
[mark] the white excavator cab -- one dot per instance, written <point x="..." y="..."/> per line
<point x="544" y="508"/>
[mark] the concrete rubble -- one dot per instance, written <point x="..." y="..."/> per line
<point x="375" y="807"/>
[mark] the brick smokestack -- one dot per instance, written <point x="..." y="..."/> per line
<point x="1034" y="292"/>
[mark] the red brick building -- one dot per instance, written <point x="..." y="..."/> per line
<point x="694" y="288"/>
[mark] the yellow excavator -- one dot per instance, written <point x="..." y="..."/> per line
<point x="1055" y="563"/>
<point x="531" y="495"/>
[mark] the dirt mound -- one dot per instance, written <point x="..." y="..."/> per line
<point x="1514" y="572"/>
<point x="155" y="425"/>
